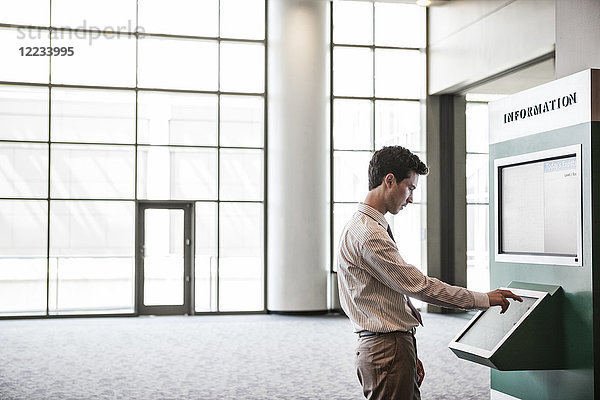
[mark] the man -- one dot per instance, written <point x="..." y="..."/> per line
<point x="374" y="281"/>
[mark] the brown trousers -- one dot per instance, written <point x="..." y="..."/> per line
<point x="387" y="366"/>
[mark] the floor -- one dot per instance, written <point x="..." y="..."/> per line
<point x="212" y="357"/>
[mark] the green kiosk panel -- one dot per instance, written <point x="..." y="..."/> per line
<point x="525" y="337"/>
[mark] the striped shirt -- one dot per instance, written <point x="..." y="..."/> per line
<point x="373" y="279"/>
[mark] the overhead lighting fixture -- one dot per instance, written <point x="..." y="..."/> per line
<point x="423" y="3"/>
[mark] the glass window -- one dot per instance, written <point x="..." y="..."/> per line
<point x="99" y="59"/>
<point x="379" y="55"/>
<point x="342" y="212"/>
<point x="420" y="193"/>
<point x="88" y="228"/>
<point x="399" y="74"/>
<point x="477" y="178"/>
<point x="242" y="121"/>
<point x="24" y="228"/>
<point x="477" y="127"/>
<point x="92" y="247"/>
<point x="168" y="63"/>
<point x="243" y="19"/>
<point x="91" y="285"/>
<point x="179" y="17"/>
<point x="92" y="171"/>
<point x="206" y="257"/>
<point x="24" y="113"/>
<point x="23" y="249"/>
<point x="478" y="272"/>
<point x="398" y="123"/>
<point x="23" y="170"/>
<point x="25" y="12"/>
<point x="350" y="176"/>
<point x="15" y="45"/>
<point x="241" y="257"/>
<point x="352" y="124"/>
<point x="177" y="118"/>
<point x="352" y="71"/>
<point x="177" y="173"/>
<point x="242" y="67"/>
<point x="149" y="100"/>
<point x="399" y="25"/>
<point x="241" y="226"/>
<point x="94" y="15"/>
<point x="477" y="169"/>
<point x="407" y="229"/>
<point x="241" y="174"/>
<point x="353" y="23"/>
<point x="23" y="286"/>
<point x="100" y="116"/>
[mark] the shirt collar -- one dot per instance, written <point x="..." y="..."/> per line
<point x="373" y="213"/>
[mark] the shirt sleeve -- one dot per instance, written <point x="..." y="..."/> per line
<point x="382" y="260"/>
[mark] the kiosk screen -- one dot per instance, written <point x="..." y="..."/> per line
<point x="491" y="326"/>
<point x="540" y="204"/>
<point x="538" y="207"/>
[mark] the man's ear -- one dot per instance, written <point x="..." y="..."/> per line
<point x="388" y="180"/>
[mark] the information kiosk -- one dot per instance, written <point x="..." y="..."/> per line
<point x="520" y="338"/>
<point x="544" y="244"/>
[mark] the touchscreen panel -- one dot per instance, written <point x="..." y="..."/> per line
<point x="489" y="329"/>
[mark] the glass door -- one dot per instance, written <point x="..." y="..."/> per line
<point x="164" y="258"/>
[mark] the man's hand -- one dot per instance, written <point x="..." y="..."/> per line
<point x="500" y="298"/>
<point x="420" y="372"/>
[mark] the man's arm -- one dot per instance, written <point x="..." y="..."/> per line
<point x="383" y="262"/>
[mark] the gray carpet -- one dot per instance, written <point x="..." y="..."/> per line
<point x="211" y="357"/>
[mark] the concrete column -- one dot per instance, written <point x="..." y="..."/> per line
<point x="577" y="36"/>
<point x="298" y="155"/>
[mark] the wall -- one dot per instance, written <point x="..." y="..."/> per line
<point x="577" y="34"/>
<point x="470" y="41"/>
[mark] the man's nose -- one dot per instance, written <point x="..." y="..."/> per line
<point x="410" y="198"/>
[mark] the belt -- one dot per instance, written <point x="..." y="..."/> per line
<point x="362" y="334"/>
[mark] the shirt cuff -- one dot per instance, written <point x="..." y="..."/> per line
<point x="481" y="301"/>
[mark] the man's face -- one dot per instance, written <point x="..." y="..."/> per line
<point x="401" y="193"/>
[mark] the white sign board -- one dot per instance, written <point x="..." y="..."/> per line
<point x="565" y="102"/>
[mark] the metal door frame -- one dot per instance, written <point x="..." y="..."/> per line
<point x="188" y="256"/>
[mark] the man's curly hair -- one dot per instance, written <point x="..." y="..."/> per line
<point x="396" y="160"/>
